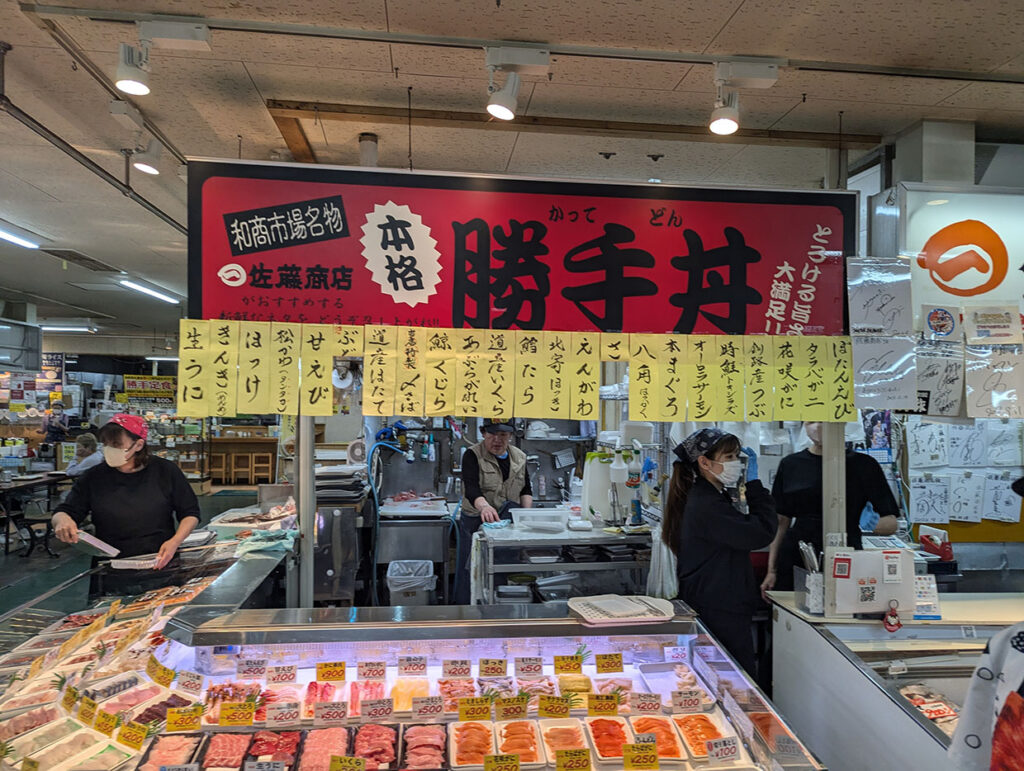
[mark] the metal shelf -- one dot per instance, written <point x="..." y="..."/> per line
<point x="552" y="567"/>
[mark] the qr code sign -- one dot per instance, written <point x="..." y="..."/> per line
<point x="890" y="568"/>
<point x="866" y="593"/>
<point x="842" y="569"/>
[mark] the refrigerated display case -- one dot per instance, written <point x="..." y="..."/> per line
<point x="904" y="689"/>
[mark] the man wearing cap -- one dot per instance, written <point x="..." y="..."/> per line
<point x="139" y="503"/>
<point x="493" y="476"/>
<point x="56" y="424"/>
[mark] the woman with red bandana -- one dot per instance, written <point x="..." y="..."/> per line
<point x="139" y="503"/>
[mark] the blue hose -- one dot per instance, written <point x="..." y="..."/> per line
<point x="375" y="599"/>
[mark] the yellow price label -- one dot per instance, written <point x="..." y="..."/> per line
<point x="608" y="663"/>
<point x="602" y="705"/>
<point x="36" y="666"/>
<point x="87" y="711"/>
<point x="568" y="665"/>
<point x="105" y="722"/>
<point x="345" y="763"/>
<point x="158" y="673"/>
<point x="493" y="667"/>
<point x="69" y="698"/>
<point x="27" y="764"/>
<point x="474" y="708"/>
<point x="639" y="756"/>
<point x="132" y="735"/>
<point x="237" y="713"/>
<point x="511" y="709"/>
<point x="501" y="762"/>
<point x="572" y="760"/>
<point x="115" y="606"/>
<point x="553" y="706"/>
<point x="330" y="671"/>
<point x="184" y="718"/>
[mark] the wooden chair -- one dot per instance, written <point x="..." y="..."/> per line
<point x="219" y="466"/>
<point x="263" y="467"/>
<point x="241" y="466"/>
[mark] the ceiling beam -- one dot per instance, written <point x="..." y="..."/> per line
<point x="295" y="137"/>
<point x="282" y="110"/>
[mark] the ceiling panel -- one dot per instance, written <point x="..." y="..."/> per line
<point x="362" y="14"/>
<point x="802" y="167"/>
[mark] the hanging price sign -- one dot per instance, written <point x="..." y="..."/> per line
<point x="515" y="708"/>
<point x="572" y="760"/>
<point x="372" y="670"/>
<point x="69" y="698"/>
<point x="87" y="711"/>
<point x="132" y="735"/>
<point x="252" y="668"/>
<point x="501" y="763"/>
<point x="639" y="756"/>
<point x="340" y="763"/>
<point x="181" y="719"/>
<point x="568" y="665"/>
<point x="427" y="707"/>
<point x="237" y="713"/>
<point x="376" y="710"/>
<point x="688" y="700"/>
<point x="412" y="666"/>
<point x="456" y="668"/>
<point x="283" y="714"/>
<point x="158" y="673"/>
<point x="474" y="708"/>
<point x="286" y="673"/>
<point x="190" y="682"/>
<point x="645" y="703"/>
<point x="329" y="671"/>
<point x="328" y="713"/>
<point x="608" y="663"/>
<point x="105" y="723"/>
<point x="493" y="667"/>
<point x="726" y="748"/>
<point x="529" y="666"/>
<point x="553" y="706"/>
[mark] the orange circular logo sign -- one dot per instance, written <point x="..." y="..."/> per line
<point x="966" y="258"/>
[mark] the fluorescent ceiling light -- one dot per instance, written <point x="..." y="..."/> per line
<point x="161" y="358"/>
<point x="132" y="70"/>
<point x="151" y="292"/>
<point x="504" y="101"/>
<point x="654" y="181"/>
<point x="48" y="328"/>
<point x="938" y="202"/>
<point x="148" y="160"/>
<point x="7" y="235"/>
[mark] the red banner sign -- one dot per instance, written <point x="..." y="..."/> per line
<point x="327" y="245"/>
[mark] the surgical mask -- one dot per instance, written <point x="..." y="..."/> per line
<point x="115" y="456"/>
<point x="732" y="470"/>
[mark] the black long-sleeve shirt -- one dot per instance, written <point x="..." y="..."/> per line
<point x="471" y="476"/>
<point x="133" y="512"/>
<point x="714" y="547"/>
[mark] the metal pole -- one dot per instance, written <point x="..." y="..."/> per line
<point x="305" y="488"/>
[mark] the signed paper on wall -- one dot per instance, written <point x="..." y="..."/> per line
<point x="884" y="373"/>
<point x="878" y="290"/>
<point x="994" y="379"/>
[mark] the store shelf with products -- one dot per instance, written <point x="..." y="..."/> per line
<point x="902" y="688"/>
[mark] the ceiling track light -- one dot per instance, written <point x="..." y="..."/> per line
<point x="133" y="69"/>
<point x="725" y="118"/>
<point x="504" y="101"/>
<point x="148" y="161"/>
<point x="514" y="62"/>
<point x="730" y="76"/>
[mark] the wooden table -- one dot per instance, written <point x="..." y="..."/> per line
<point x="8" y="491"/>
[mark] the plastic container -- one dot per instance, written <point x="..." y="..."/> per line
<point x="541" y="520"/>
<point x="410" y="582"/>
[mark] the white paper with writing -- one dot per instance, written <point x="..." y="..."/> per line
<point x="926" y="444"/>
<point x="994" y="378"/>
<point x="1001" y="503"/>
<point x="885" y="373"/>
<point x="966" y="496"/>
<point x="878" y="289"/>
<point x="940" y="378"/>
<point x="968" y="446"/>
<point x="929" y="499"/>
<point x="1004" y="443"/>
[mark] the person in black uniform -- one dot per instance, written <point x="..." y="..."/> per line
<point x="712" y="539"/>
<point x="139" y="503"/>
<point x="798" y="495"/>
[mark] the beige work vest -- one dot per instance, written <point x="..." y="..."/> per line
<point x="496" y="490"/>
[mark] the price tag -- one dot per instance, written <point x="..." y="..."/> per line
<point x="934" y="710"/>
<point x="371" y="670"/>
<point x="237" y="713"/>
<point x="515" y="708"/>
<point x="608" y="663"/>
<point x="27" y="764"/>
<point x="69" y="698"/>
<point x="132" y="735"/>
<point x="115" y="606"/>
<point x="328" y="671"/>
<point x="283" y="714"/>
<point x="969" y="632"/>
<point x="602" y="705"/>
<point x="87" y="711"/>
<point x="787" y="746"/>
<point x="190" y="682"/>
<point x="739" y="718"/>
<point x="552" y="706"/>
<point x="568" y="665"/>
<point x="375" y="710"/>
<point x="326" y="713"/>
<point x="105" y="723"/>
<point x="645" y="703"/>
<point x="427" y="707"/>
<point x="677" y="653"/>
<point x="345" y="763"/>
<point x="572" y="760"/>
<point x="252" y="668"/>
<point x="501" y="763"/>
<point x="493" y="667"/>
<point x="286" y="673"/>
<point x="529" y="666"/>
<point x="474" y="708"/>
<point x="184" y="719"/>
<point x="412" y="666"/>
<point x="184" y="767"/>
<point x="33" y="670"/>
<point x="686" y="701"/>
<point x="645" y="739"/>
<point x="456" y="668"/>
<point x="639" y="756"/>
<point x="727" y="748"/>
<point x="158" y="673"/>
<point x="264" y="765"/>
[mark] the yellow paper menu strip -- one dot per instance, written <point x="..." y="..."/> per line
<point x="470" y="372"/>
<point x="555" y="373"/>
<point x="671" y="395"/>
<point x="410" y="380"/>
<point x="530" y="388"/>
<point x="757" y="377"/>
<point x="439" y="363"/>
<point x="786" y="378"/>
<point x="498" y="386"/>
<point x="285" y="342"/>
<point x="315" y="389"/>
<point x="839" y="378"/>
<point x="699" y="380"/>
<point x="584" y="375"/>
<point x="224" y="341"/>
<point x="813" y="360"/>
<point x="644" y="376"/>
<point x="380" y="359"/>
<point x="253" y="397"/>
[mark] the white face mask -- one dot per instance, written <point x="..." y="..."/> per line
<point x="115" y="456"/>
<point x="731" y="472"/>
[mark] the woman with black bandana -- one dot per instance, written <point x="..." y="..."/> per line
<point x="712" y="539"/>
